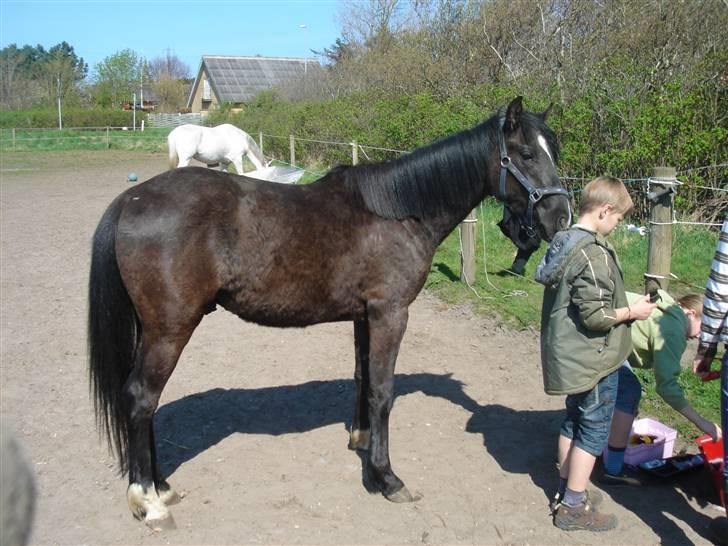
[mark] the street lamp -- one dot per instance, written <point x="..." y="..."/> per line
<point x="305" y="59"/>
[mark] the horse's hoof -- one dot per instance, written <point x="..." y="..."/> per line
<point x="165" y="523"/>
<point x="359" y="439"/>
<point x="168" y="495"/>
<point x="403" y="495"/>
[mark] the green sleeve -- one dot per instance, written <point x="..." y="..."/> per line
<point x="667" y="353"/>
<point x="592" y="290"/>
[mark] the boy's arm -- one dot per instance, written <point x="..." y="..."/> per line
<point x="592" y="293"/>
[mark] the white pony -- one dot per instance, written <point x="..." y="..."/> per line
<point x="223" y="144"/>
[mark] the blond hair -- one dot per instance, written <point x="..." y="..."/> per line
<point x="605" y="190"/>
<point x="692" y="302"/>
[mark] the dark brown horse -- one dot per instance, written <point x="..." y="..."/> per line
<point x="355" y="245"/>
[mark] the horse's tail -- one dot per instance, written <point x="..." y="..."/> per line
<point x="173" y="157"/>
<point x="113" y="334"/>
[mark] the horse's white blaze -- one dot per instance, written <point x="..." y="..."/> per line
<point x="545" y="146"/>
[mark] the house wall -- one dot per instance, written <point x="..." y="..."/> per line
<point x="198" y="104"/>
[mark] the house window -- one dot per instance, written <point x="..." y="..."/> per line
<point x="206" y="94"/>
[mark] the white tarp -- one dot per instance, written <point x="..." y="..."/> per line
<point x="283" y="175"/>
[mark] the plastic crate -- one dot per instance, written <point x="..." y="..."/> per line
<point x="661" y="448"/>
<point x="713" y="453"/>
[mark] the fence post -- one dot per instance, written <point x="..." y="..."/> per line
<point x="293" y="151"/>
<point x="108" y="140"/>
<point x="467" y="259"/>
<point x="662" y="186"/>
<point x="13" y="138"/>
<point x="354" y="153"/>
<point x="260" y="141"/>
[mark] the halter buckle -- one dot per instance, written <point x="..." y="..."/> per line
<point x="505" y="161"/>
<point x="535" y="196"/>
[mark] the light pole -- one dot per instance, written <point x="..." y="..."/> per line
<point x="305" y="59"/>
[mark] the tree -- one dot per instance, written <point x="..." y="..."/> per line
<point x="117" y="78"/>
<point x="168" y="74"/>
<point x="61" y="72"/>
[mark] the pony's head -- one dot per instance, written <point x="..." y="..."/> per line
<point x="527" y="179"/>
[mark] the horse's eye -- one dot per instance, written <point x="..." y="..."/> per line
<point x="527" y="155"/>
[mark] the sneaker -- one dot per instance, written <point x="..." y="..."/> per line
<point x="583" y="518"/>
<point x="719" y="531"/>
<point x="593" y="497"/>
<point x="626" y="477"/>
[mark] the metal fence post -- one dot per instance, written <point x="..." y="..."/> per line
<point x="659" y="250"/>
<point x="293" y="151"/>
<point x="354" y="153"/>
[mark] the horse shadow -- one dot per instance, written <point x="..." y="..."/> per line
<point x="520" y="441"/>
<point x="525" y="442"/>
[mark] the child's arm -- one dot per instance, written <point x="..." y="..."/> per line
<point x="592" y="292"/>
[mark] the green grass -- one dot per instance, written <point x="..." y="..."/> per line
<point x="150" y="140"/>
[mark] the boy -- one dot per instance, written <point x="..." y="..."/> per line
<point x="584" y="340"/>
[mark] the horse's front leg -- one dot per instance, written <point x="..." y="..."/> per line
<point x="359" y="435"/>
<point x="386" y="328"/>
<point x="238" y="162"/>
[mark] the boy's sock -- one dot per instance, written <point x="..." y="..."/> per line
<point x="574" y="498"/>
<point x="615" y="460"/>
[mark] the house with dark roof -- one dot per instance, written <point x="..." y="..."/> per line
<point x="236" y="80"/>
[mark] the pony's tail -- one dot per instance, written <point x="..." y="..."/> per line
<point x="113" y="334"/>
<point x="173" y="158"/>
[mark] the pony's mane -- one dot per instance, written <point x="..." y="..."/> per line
<point x="449" y="173"/>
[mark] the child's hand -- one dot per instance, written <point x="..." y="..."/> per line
<point x="641" y="309"/>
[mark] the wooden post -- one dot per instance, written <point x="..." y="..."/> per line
<point x="467" y="260"/>
<point x="108" y="140"/>
<point x="293" y="151"/>
<point x="260" y="141"/>
<point x="13" y="138"/>
<point x="660" y="242"/>
<point x="354" y="153"/>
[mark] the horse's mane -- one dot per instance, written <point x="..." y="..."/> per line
<point x="446" y="174"/>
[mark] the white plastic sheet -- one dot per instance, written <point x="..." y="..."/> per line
<point x="282" y="175"/>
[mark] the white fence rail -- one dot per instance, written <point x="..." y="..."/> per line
<point x="173" y="120"/>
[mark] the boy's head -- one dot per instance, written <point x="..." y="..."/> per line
<point x="604" y="203"/>
<point x="692" y="305"/>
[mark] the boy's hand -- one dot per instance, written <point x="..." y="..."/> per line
<point x="641" y="309"/>
<point x="713" y="430"/>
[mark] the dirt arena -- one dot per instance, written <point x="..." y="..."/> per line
<point x="253" y="424"/>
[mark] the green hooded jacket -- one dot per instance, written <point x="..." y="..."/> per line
<point x="581" y="341"/>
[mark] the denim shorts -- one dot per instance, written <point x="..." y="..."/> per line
<point x="629" y="391"/>
<point x="589" y="415"/>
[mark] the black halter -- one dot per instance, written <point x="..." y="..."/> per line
<point x="534" y="194"/>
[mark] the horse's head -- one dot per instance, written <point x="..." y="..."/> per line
<point x="528" y="183"/>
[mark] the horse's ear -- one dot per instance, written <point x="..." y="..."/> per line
<point x="513" y="115"/>
<point x="546" y="112"/>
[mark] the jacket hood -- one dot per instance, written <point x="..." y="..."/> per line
<point x="553" y="265"/>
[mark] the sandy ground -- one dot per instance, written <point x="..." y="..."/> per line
<point x="253" y="424"/>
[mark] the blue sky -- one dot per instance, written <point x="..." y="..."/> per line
<point x="189" y="29"/>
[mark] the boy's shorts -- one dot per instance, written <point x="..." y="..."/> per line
<point x="589" y="415"/>
<point x="629" y="391"/>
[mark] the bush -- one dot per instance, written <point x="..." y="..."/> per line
<point x="72" y="117"/>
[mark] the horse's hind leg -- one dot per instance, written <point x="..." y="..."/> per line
<point x="359" y="435"/>
<point x="153" y="366"/>
<point x="386" y="328"/>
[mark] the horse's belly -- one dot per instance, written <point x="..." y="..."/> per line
<point x="295" y="309"/>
